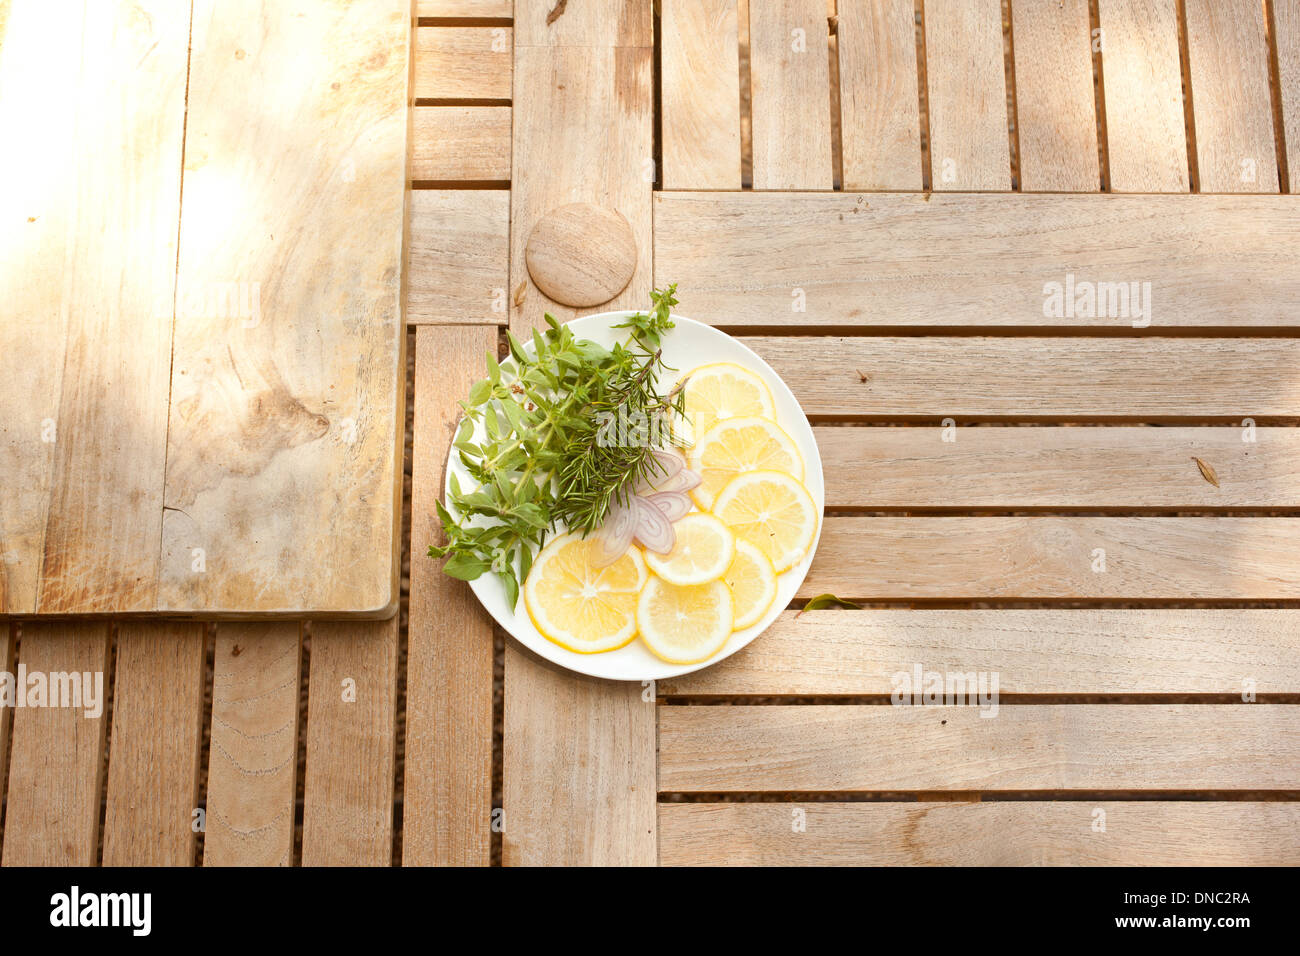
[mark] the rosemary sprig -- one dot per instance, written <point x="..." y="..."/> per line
<point x="552" y="439"/>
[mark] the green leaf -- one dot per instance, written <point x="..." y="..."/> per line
<point x="512" y="587"/>
<point x="494" y="369"/>
<point x="479" y="393"/>
<point x="466" y="567"/>
<point x="828" y="600"/>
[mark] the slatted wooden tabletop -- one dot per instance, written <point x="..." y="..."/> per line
<point x="876" y="196"/>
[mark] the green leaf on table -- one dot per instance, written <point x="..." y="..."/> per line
<point x="464" y="566"/>
<point x="822" y="601"/>
<point x="479" y="393"/>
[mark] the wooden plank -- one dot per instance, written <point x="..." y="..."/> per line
<point x="1017" y="468"/>
<point x="447" y="797"/>
<point x="579" y="768"/>
<point x="153" y="767"/>
<point x="1040" y="556"/>
<point x="253" y="761"/>
<point x="1008" y="833"/>
<point x="610" y="23"/>
<point x="281" y="470"/>
<point x="454" y="143"/>
<point x="458" y="256"/>
<point x="789" y="69"/>
<point x="602" y="97"/>
<point x="1095" y="651"/>
<point x="979" y="377"/>
<point x="944" y="748"/>
<point x="8" y="638"/>
<point x="979" y="260"/>
<point x="879" y="101"/>
<point x="701" y="95"/>
<point x="56" y="763"/>
<point x="966" y="72"/>
<point x="85" y="359"/>
<point x="1146" y="140"/>
<point x="1231" y="104"/>
<point x="579" y="755"/>
<point x="1055" y="107"/>
<point x="464" y="8"/>
<point x="351" y="744"/>
<point x="1286" y="38"/>
<point x="463" y="63"/>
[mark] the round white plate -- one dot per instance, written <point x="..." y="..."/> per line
<point x="689" y="345"/>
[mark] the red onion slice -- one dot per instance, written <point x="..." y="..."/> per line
<point x="653" y="529"/>
<point x="683" y="481"/>
<point x="674" y="504"/>
<point x="615" y="535"/>
<point x="666" y="464"/>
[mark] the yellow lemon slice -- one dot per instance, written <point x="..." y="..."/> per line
<point x="684" y="625"/>
<point x="578" y="605"/>
<point x="703" y="550"/>
<point x="724" y="390"/>
<point x="737" y="445"/>
<point x="772" y="511"/>
<point x="752" y="581"/>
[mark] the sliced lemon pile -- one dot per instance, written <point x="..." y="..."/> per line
<point x="772" y="511"/>
<point x="752" y="581"/>
<point x="702" y="552"/>
<point x="738" y="445"/>
<point x="578" y="605"/>
<point x="684" y="625"/>
<point x="725" y="390"/>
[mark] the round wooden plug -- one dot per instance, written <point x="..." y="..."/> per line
<point x="581" y="254"/>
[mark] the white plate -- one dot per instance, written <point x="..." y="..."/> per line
<point x="689" y="345"/>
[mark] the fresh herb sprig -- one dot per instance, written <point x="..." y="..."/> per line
<point x="535" y="440"/>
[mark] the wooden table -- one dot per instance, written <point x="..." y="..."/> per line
<point x="1097" y="508"/>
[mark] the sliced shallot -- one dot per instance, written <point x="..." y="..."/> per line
<point x="653" y="529"/>
<point x="674" y="504"/>
<point x="615" y="535"/>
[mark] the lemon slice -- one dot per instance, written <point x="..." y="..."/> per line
<point x="578" y="605"/>
<point x="737" y="445"/>
<point x="752" y="581"/>
<point x="684" y="625"/>
<point x="725" y="390"/>
<point x="703" y="550"/>
<point x="773" y="512"/>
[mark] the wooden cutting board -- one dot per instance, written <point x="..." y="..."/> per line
<point x="202" y="348"/>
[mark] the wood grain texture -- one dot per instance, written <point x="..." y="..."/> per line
<point x="463" y="63"/>
<point x="1231" y="104"/>
<point x="1137" y="833"/>
<point x="965" y="69"/>
<point x="1107" y="651"/>
<point x="1015" y="468"/>
<point x="453" y="143"/>
<point x="701" y="95"/>
<point x="1055" y="107"/>
<point x="943" y="748"/>
<point x="581" y="254"/>
<point x="972" y="260"/>
<point x="284" y="417"/>
<point x="464" y="8"/>
<point x="56" y="763"/>
<point x="609" y="23"/>
<point x="1039" y="556"/>
<point x="153" y="766"/>
<point x="88" y="268"/>
<point x="579" y="768"/>
<point x="1146" y="140"/>
<point x="602" y="96"/>
<point x="579" y="754"/>
<point x="978" y="377"/>
<point x="789" y="69"/>
<point x="8" y="638"/>
<point x="457" y="257"/>
<point x="351" y="744"/>
<point x="447" y="797"/>
<point x="879" y="101"/>
<point x="253" y="760"/>
<point x="1286" y="38"/>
